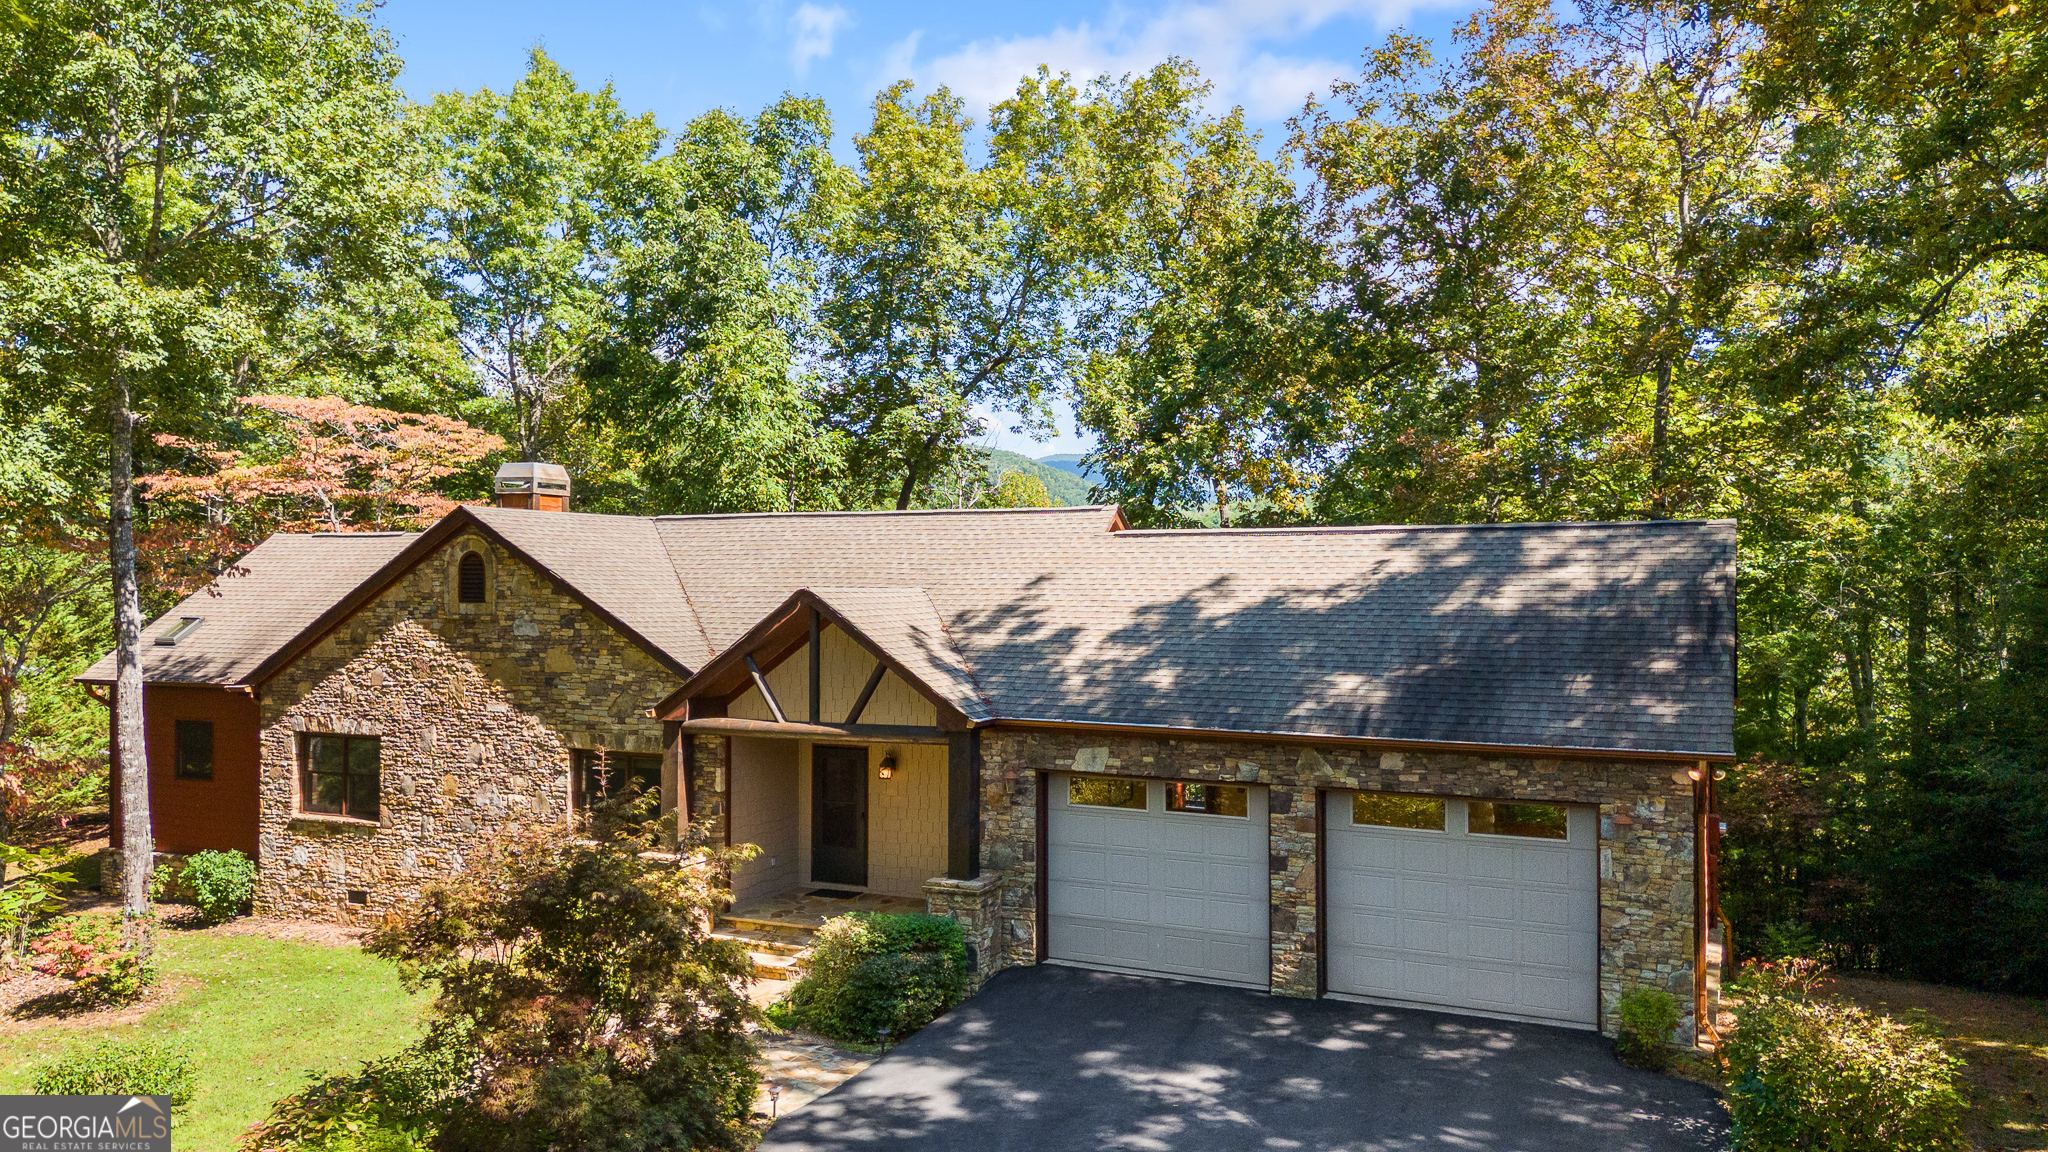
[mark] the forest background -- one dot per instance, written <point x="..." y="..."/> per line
<point x="1779" y="261"/>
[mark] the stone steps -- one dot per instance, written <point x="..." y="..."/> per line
<point x="776" y="946"/>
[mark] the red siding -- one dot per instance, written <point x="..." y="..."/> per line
<point x="194" y="815"/>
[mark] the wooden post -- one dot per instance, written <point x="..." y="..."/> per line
<point x="815" y="672"/>
<point x="963" y="805"/>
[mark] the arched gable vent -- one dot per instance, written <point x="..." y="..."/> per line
<point x="469" y="578"/>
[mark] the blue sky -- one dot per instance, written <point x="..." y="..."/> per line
<point x="681" y="57"/>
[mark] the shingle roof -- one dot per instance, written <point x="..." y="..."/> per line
<point x="1594" y="636"/>
<point x="737" y="568"/>
<point x="618" y="562"/>
<point x="1608" y="636"/>
<point x="272" y="595"/>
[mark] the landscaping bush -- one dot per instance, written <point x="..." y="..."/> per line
<point x="871" y="971"/>
<point x="30" y="890"/>
<point x="388" y="1105"/>
<point x="87" y="950"/>
<point x="1807" y="1074"/>
<point x="120" y="1068"/>
<point x="583" y="995"/>
<point x="1648" y="1016"/>
<point x="220" y="884"/>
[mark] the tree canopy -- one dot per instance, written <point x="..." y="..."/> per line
<point x="1781" y="262"/>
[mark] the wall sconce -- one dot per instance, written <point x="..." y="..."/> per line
<point x="888" y="771"/>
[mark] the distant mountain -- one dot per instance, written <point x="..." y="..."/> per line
<point x="1062" y="482"/>
<point x="1070" y="462"/>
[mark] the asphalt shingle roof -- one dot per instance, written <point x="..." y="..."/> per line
<point x="618" y="562"/>
<point x="273" y="594"/>
<point x="1594" y="636"/>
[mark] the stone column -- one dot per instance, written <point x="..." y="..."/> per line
<point x="1291" y="875"/>
<point x="977" y="905"/>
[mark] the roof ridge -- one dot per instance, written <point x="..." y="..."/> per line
<point x="946" y="630"/>
<point x="822" y="514"/>
<point x="1361" y="529"/>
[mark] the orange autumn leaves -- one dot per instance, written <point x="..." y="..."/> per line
<point x="322" y="465"/>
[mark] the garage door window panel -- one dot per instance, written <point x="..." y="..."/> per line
<point x="1388" y="810"/>
<point x="1537" y="821"/>
<point x="1208" y="799"/>
<point x="1095" y="792"/>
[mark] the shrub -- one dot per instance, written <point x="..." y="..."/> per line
<point x="29" y="890"/>
<point x="38" y="793"/>
<point x="1810" y="1074"/>
<point x="220" y="884"/>
<point x="582" y="993"/>
<point x="88" y="951"/>
<point x="1648" y="1016"/>
<point x="871" y="971"/>
<point x="1789" y="941"/>
<point x="120" y="1068"/>
<point x="387" y="1105"/>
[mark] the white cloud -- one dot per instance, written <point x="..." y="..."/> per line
<point x="812" y="30"/>
<point x="899" y="62"/>
<point x="1224" y="38"/>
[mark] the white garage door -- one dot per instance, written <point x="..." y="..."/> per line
<point x="1479" y="906"/>
<point x="1159" y="878"/>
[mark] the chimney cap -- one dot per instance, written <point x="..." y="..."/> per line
<point x="548" y="479"/>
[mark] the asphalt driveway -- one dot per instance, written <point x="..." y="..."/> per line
<point x="1054" y="1058"/>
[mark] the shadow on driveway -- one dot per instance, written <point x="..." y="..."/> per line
<point x="1053" y="1058"/>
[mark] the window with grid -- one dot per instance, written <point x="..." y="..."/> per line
<point x="338" y="775"/>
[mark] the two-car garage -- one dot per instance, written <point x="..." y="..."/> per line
<point x="1465" y="905"/>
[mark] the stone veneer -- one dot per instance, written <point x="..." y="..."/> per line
<point x="477" y="708"/>
<point x="1645" y="852"/>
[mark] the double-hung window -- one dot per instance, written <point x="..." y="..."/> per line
<point x="338" y="775"/>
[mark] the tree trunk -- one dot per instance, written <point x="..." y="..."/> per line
<point x="1916" y="672"/>
<point x="1800" y="691"/>
<point x="1222" y="504"/>
<point x="138" y="848"/>
<point x="1660" y="437"/>
<point x="909" y="488"/>
<point x="1866" y="679"/>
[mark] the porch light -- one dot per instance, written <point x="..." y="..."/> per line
<point x="888" y="771"/>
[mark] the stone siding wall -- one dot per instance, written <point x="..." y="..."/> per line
<point x="476" y="707"/>
<point x="1645" y="851"/>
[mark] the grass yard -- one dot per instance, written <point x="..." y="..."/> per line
<point x="257" y="1012"/>
<point x="2004" y="1039"/>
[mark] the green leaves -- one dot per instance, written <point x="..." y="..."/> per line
<point x="540" y="191"/>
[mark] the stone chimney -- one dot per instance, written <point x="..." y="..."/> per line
<point x="538" y="487"/>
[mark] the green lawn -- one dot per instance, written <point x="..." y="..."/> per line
<point x="256" y="1014"/>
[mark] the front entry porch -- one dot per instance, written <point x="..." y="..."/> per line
<point x="851" y="817"/>
<point x="839" y="826"/>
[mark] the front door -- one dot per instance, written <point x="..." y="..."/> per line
<point x="839" y="816"/>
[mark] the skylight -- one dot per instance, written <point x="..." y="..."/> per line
<point x="185" y="626"/>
